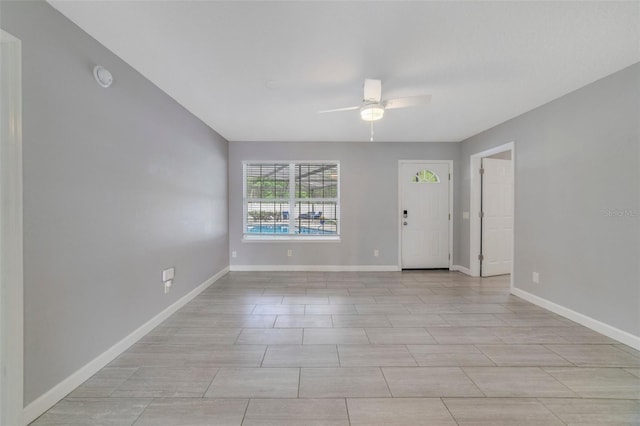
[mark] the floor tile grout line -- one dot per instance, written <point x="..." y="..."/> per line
<point x="246" y="408"/>
<point x="560" y="381"/>
<point x="475" y="345"/>
<point x="143" y="410"/>
<point x="472" y="381"/>
<point x="366" y="334"/>
<point x="235" y="342"/>
<point x="546" y="346"/>
<point x="211" y="382"/>
<point x="412" y="356"/>
<point x="553" y="413"/>
<point x="442" y="400"/>
<point x="386" y="382"/>
<point x="264" y="355"/>
<point x="346" y="406"/>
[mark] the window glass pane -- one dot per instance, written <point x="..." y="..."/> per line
<point x="316" y="180"/>
<point x="267" y="181"/>
<point x="425" y="176"/>
<point x="267" y="217"/>
<point x="316" y="218"/>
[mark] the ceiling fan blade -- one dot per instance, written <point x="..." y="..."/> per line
<point x="340" y="109"/>
<point x="407" y="102"/>
<point x="372" y="90"/>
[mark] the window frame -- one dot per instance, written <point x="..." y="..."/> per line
<point x="293" y="201"/>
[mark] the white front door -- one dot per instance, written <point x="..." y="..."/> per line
<point x="497" y="217"/>
<point x="424" y="215"/>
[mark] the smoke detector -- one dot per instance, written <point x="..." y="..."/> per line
<point x="102" y="76"/>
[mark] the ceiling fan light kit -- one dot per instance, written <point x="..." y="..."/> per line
<point x="372" y="112"/>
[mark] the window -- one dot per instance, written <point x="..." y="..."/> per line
<point x="292" y="200"/>
<point x="425" y="176"/>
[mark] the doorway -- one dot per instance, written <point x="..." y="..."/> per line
<point x="425" y="214"/>
<point x="492" y="211"/>
<point x="496" y="215"/>
<point x="11" y="283"/>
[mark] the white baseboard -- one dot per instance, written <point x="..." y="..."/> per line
<point x="315" y="268"/>
<point x="462" y="269"/>
<point x="62" y="389"/>
<point x="595" y="325"/>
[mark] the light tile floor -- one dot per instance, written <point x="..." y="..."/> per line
<point x="397" y="348"/>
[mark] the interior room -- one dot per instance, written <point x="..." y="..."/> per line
<point x="327" y="213"/>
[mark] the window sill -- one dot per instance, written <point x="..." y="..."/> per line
<point x="290" y="238"/>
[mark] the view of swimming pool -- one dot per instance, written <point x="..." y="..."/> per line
<point x="284" y="229"/>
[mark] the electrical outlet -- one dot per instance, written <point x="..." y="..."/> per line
<point x="536" y="278"/>
<point x="167" y="278"/>
<point x="168" y="274"/>
<point x="376" y="252"/>
<point x="289" y="253"/>
<point x="234" y="254"/>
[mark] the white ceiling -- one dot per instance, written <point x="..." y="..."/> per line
<point x="260" y="71"/>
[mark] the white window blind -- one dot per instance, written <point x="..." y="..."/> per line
<point x="292" y="199"/>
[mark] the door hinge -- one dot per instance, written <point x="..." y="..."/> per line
<point x="481" y="215"/>
<point x="481" y="171"/>
<point x="449" y="256"/>
<point x="449" y="176"/>
<point x="449" y="216"/>
<point x="480" y="257"/>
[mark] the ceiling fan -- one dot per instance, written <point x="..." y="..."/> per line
<point x="373" y="106"/>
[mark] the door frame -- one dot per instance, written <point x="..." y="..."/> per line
<point x="475" y="229"/>
<point x="11" y="265"/>
<point x="399" y="206"/>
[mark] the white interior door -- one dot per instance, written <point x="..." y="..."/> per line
<point x="424" y="215"/>
<point x="497" y="217"/>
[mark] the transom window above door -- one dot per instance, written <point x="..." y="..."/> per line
<point x="291" y="200"/>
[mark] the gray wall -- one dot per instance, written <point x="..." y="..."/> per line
<point x="119" y="183"/>
<point x="577" y="206"/>
<point x="369" y="200"/>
